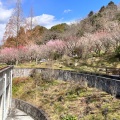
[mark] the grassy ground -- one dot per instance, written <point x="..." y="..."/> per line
<point x="48" y="64"/>
<point x="2" y="66"/>
<point x="67" y="100"/>
<point x="94" y="64"/>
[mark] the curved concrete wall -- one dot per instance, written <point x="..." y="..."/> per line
<point x="35" y="113"/>
<point x="106" y="83"/>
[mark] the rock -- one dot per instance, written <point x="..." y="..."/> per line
<point x="80" y="116"/>
<point x="87" y="110"/>
<point x="107" y="101"/>
<point x="92" y="112"/>
<point x="67" y="94"/>
<point x="78" y="93"/>
<point x="98" y="105"/>
<point x="82" y="100"/>
<point x="62" y="116"/>
<point x="101" y="69"/>
<point x="102" y="64"/>
<point x="60" y="67"/>
<point x="88" y="100"/>
<point x="76" y="64"/>
<point x="44" y="96"/>
<point x="105" y="112"/>
<point x="60" y="98"/>
<point x="51" y="97"/>
<point x="56" y="90"/>
<point x="51" y="104"/>
<point x="70" y="64"/>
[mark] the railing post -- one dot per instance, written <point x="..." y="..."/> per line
<point x="119" y="72"/>
<point x="106" y="71"/>
<point x="10" y="88"/>
<point x="4" y="97"/>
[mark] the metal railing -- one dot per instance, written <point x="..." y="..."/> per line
<point x="5" y="91"/>
<point x="109" y="70"/>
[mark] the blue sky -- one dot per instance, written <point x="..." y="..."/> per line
<point x="51" y="12"/>
<point x="77" y="9"/>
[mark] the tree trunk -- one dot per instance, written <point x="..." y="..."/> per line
<point x="36" y="61"/>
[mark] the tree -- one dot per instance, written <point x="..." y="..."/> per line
<point x="117" y="52"/>
<point x="29" y="25"/>
<point x="8" y="55"/>
<point x="60" y="28"/>
<point x="37" y="33"/>
<point x="10" y="42"/>
<point x="111" y="6"/>
<point x="22" y="37"/>
<point x="56" y="47"/>
<point x="33" y="52"/>
<point x="95" y="42"/>
<point x="90" y="14"/>
<point x="31" y="18"/>
<point x="102" y="9"/>
<point x="14" y="24"/>
<point x="50" y="35"/>
<point x="111" y="3"/>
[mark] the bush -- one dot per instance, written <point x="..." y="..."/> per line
<point x="69" y="117"/>
<point x="117" y="52"/>
<point x="19" y="80"/>
<point x="56" y="55"/>
<point x="41" y="78"/>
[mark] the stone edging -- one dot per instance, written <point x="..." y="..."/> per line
<point x="35" y="113"/>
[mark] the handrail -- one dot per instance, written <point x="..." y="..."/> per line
<point x="5" y="91"/>
<point x="5" y="68"/>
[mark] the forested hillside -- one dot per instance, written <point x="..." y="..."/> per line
<point x="94" y="36"/>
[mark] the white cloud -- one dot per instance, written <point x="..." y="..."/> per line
<point x="48" y="21"/>
<point x="45" y="20"/>
<point x="11" y="2"/>
<point x="4" y="16"/>
<point x="2" y="30"/>
<point x="0" y="3"/>
<point x="4" y="13"/>
<point x="67" y="11"/>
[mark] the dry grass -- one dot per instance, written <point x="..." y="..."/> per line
<point x="48" y="64"/>
<point x="2" y="66"/>
<point x="94" y="64"/>
<point x="61" y="98"/>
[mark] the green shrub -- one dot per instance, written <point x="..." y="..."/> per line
<point x="56" y="55"/>
<point x="117" y="52"/>
<point x="69" y="117"/>
<point x="41" y="78"/>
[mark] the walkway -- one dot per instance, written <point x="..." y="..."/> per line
<point x="18" y="115"/>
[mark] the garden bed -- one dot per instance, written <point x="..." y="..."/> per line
<point x="67" y="100"/>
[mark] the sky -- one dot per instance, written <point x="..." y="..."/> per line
<point x="51" y="12"/>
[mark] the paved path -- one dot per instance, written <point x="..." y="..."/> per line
<point x="18" y="115"/>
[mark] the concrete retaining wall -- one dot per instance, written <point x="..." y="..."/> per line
<point x="35" y="113"/>
<point x="106" y="83"/>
